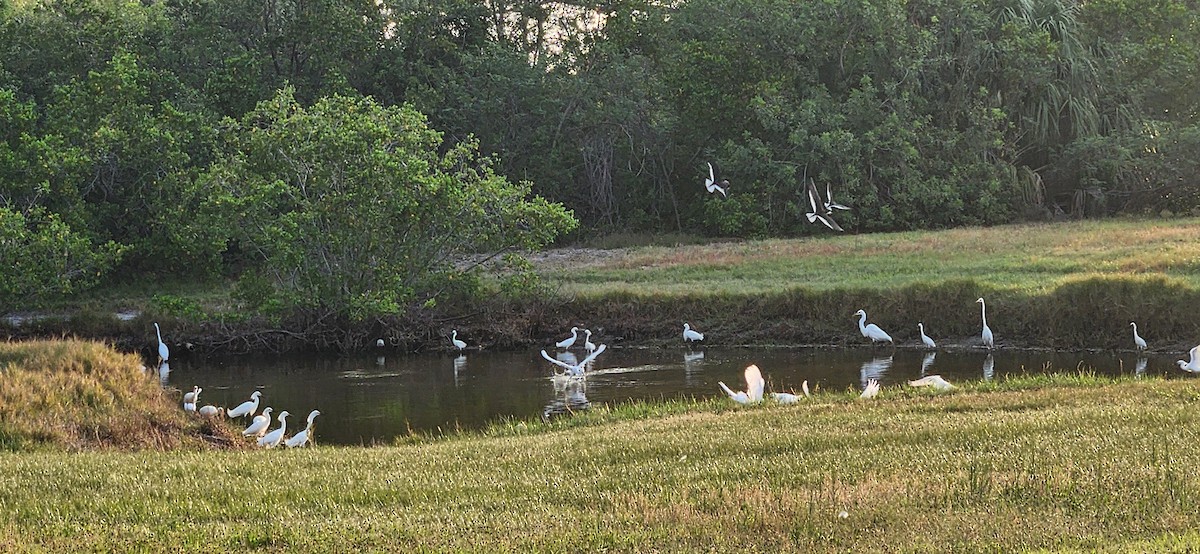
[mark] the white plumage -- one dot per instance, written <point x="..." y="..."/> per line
<point x="871" y="330"/>
<point x="569" y="341"/>
<point x="305" y="436"/>
<point x="934" y="381"/>
<point x="575" y="370"/>
<point x="988" y="340"/>
<point x="928" y="342"/>
<point x="258" y="426"/>
<point x="871" y="390"/>
<point x="460" y="345"/>
<point x="1138" y="341"/>
<point x="690" y="335"/>
<point x="164" y="353"/>
<point x="246" y="408"/>
<point x="272" y="439"/>
<point x="1193" y="364"/>
<point x="755" y="384"/>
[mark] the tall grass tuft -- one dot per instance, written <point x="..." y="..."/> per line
<point x="80" y="395"/>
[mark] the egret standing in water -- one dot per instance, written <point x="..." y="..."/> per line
<point x="587" y="341"/>
<point x="871" y="330"/>
<point x="987" y="331"/>
<point x="691" y="336"/>
<point x="569" y="341"/>
<point x="164" y="353"/>
<point x="575" y="370"/>
<point x="460" y="345"/>
<point x="1138" y="341"/>
<point x="928" y="342"/>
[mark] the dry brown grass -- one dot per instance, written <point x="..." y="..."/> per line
<point x="80" y="395"/>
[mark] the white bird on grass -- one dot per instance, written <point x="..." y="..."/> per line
<point x="569" y="341"/>
<point x="305" y="436"/>
<point x="871" y="390"/>
<point x="246" y="408"/>
<point x="1138" y="341"/>
<point x="871" y="331"/>
<point x="272" y="439"/>
<point x="690" y="335"/>
<point x="258" y="427"/>
<point x="1193" y="364"/>
<point x="210" y="410"/>
<point x="587" y="342"/>
<point x="819" y="211"/>
<point x="190" y="398"/>
<point x="460" y="345"/>
<point x="987" y="331"/>
<point x="934" y="381"/>
<point x="928" y="342"/>
<point x="754" y="387"/>
<point x="575" y="370"/>
<point x="790" y="398"/>
<point x="164" y="353"/>
<point x="712" y="185"/>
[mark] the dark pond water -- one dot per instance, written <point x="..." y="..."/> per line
<point x="365" y="400"/>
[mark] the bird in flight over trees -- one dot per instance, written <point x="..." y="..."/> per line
<point x="713" y="185"/>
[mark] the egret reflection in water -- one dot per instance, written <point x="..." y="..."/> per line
<point x="989" y="367"/>
<point x="927" y="362"/>
<point x="569" y="396"/>
<point x="691" y="366"/>
<point x="875" y="369"/>
<point x="164" y="373"/>
<point x="460" y="365"/>
<point x="1140" y="369"/>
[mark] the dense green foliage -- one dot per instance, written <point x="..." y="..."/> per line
<point x="119" y="121"/>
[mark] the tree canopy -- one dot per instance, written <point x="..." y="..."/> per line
<point x="295" y="129"/>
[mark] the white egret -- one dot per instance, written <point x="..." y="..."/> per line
<point x="754" y="387"/>
<point x="209" y="410"/>
<point x="1193" y="364"/>
<point x="871" y="390"/>
<point x="190" y="398"/>
<point x="379" y="343"/>
<point x="830" y="205"/>
<point x="305" y="436"/>
<point x="460" y="345"/>
<point x="690" y="335"/>
<point x="587" y="341"/>
<point x="272" y="439"/>
<point x="934" y="381"/>
<point x="987" y="331"/>
<point x="711" y="183"/>
<point x="164" y="353"/>
<point x="258" y="427"/>
<point x="928" y="342"/>
<point x="246" y="408"/>
<point x="819" y="211"/>
<point x="1138" y="341"/>
<point x="871" y="331"/>
<point x="569" y="341"/>
<point x="575" y="370"/>
<point x="791" y="397"/>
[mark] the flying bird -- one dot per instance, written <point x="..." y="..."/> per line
<point x="575" y="370"/>
<point x="819" y="209"/>
<point x="754" y="387"/>
<point x="713" y="186"/>
<point x="830" y="205"/>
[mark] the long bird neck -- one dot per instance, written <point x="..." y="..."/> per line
<point x="158" y="332"/>
<point x="862" y="322"/>
<point x="983" y="313"/>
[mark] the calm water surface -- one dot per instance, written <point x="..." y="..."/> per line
<point x="373" y="399"/>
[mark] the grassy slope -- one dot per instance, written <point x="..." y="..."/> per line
<point x="1076" y="464"/>
<point x="1031" y="258"/>
<point x="1065" y="285"/>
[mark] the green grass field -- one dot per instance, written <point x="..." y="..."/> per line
<point x="1060" y="465"/>
<point x="1030" y="258"/>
